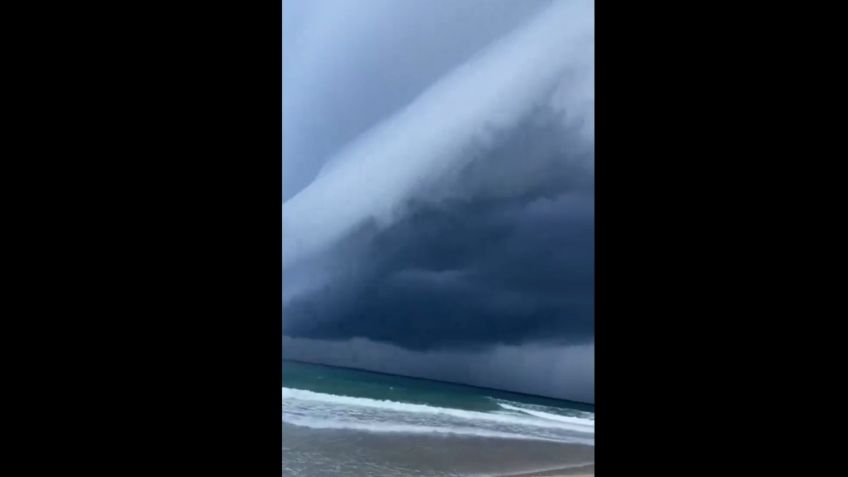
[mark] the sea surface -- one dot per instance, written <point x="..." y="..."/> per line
<point x="345" y="422"/>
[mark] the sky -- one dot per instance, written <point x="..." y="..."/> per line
<point x="438" y="183"/>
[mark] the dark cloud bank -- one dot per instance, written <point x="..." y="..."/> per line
<point x="468" y="257"/>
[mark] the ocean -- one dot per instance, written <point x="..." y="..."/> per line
<point x="345" y="422"/>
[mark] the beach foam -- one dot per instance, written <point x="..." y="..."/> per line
<point x="553" y="417"/>
<point x="329" y="411"/>
<point x="408" y="429"/>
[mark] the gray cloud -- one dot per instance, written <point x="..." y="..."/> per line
<point x="444" y="128"/>
<point x="349" y="65"/>
<point x="473" y="265"/>
<point x="439" y="179"/>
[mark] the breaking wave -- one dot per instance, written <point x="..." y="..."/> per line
<point x="330" y="411"/>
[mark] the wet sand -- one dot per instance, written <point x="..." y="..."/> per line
<point x="581" y="471"/>
<point x="309" y="452"/>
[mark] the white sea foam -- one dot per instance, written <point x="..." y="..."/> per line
<point x="553" y="417"/>
<point x="329" y="411"/>
<point x="415" y="429"/>
<point x="574" y="424"/>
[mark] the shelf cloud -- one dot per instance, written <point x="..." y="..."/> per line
<point x="439" y="175"/>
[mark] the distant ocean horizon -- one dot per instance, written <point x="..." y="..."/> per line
<point x="577" y="403"/>
<point x="342" y="421"/>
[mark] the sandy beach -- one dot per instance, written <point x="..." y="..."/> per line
<point x="340" y="422"/>
<point x="334" y="452"/>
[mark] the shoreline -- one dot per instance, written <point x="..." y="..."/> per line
<point x="586" y="470"/>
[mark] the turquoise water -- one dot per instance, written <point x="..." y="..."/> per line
<point x="340" y="421"/>
<point x="345" y="381"/>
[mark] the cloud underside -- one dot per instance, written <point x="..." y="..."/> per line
<point x="465" y="220"/>
<point x="501" y="255"/>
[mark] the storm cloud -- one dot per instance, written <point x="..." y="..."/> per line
<point x="439" y="179"/>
